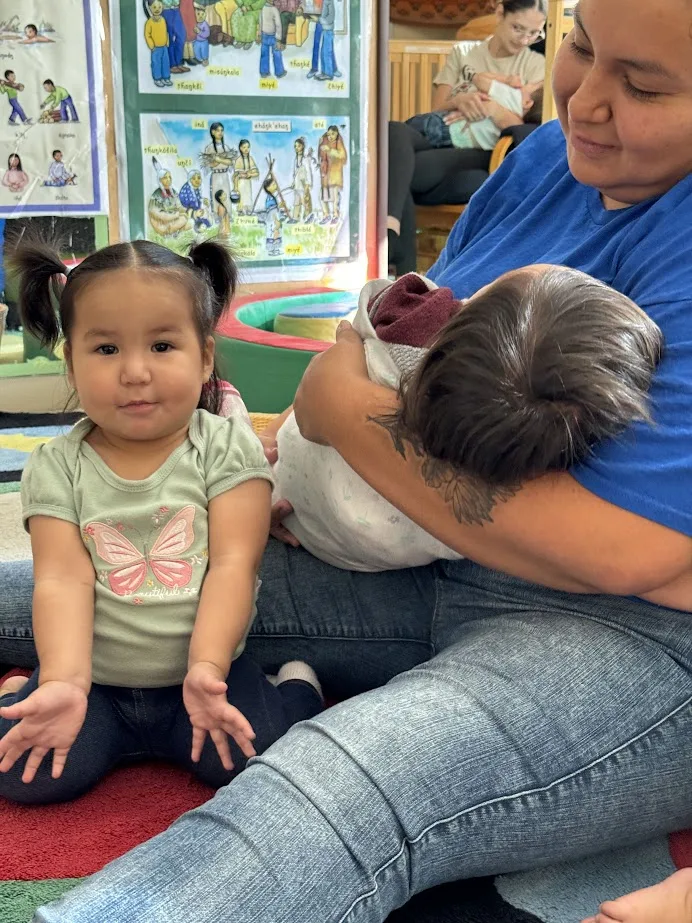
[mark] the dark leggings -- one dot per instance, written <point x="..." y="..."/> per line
<point x="422" y="175"/>
<point x="125" y="725"/>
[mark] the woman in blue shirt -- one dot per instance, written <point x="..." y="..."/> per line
<point x="540" y="703"/>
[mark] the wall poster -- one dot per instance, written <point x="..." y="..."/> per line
<point x="247" y="121"/>
<point x="52" y="132"/>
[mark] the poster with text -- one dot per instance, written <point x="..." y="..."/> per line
<point x="52" y="135"/>
<point x="281" y="48"/>
<point x="274" y="188"/>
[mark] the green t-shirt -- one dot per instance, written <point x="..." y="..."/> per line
<point x="148" y="539"/>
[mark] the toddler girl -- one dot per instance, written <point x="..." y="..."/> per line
<point x="148" y="522"/>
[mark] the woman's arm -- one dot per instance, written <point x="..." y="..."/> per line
<point x="551" y="531"/>
<point x="503" y="118"/>
<point x="238" y="530"/>
<point x="63" y="604"/>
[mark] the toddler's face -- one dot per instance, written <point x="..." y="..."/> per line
<point x="526" y="99"/>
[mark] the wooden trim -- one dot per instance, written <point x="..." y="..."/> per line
<point x="499" y="153"/>
<point x="111" y="152"/>
<point x="559" y="24"/>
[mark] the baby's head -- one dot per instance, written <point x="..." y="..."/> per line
<point x="534" y="371"/>
<point x="532" y="102"/>
<point x="137" y="320"/>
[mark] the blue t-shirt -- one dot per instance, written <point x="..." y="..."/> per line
<point x="532" y="210"/>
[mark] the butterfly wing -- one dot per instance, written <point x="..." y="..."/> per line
<point x="114" y="548"/>
<point x="175" y="539"/>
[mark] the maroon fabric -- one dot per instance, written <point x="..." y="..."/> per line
<point x="409" y="314"/>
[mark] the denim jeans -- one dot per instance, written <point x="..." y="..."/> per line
<point x="530" y="726"/>
<point x="67" y="110"/>
<point x="433" y="127"/>
<point x="177" y="35"/>
<point x="160" y="65"/>
<point x="316" y="43"/>
<point x="126" y="725"/>
<point x="327" y="55"/>
<point x="269" y="48"/>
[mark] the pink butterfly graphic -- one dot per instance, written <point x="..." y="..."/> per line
<point x="175" y="538"/>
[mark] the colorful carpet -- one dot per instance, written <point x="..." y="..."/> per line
<point x="20" y="433"/>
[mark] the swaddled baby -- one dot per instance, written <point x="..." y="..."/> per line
<point x="523" y="378"/>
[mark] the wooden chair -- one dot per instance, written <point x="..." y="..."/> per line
<point x="560" y="23"/>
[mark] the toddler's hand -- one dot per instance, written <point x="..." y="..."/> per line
<point x="50" y="719"/>
<point x="280" y="511"/>
<point x="204" y="695"/>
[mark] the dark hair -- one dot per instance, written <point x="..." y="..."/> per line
<point x="30" y="25"/>
<point x="19" y="159"/>
<point x="217" y="196"/>
<point x="242" y="142"/>
<point x="529" y="376"/>
<point x="517" y="6"/>
<point x="212" y="129"/>
<point x="56" y="151"/>
<point x="209" y="274"/>
<point x="7" y="73"/>
<point x="48" y="81"/>
<point x="535" y="114"/>
<point x="300" y="141"/>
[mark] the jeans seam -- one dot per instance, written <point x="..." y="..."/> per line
<point x="501" y="799"/>
<point x="436" y="584"/>
<point x="318" y="637"/>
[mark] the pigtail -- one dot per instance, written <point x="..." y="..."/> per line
<point x="215" y="261"/>
<point x="41" y="276"/>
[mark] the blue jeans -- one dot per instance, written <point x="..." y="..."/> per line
<point x="67" y="110"/>
<point x="177" y="36"/>
<point x="200" y="49"/>
<point x="530" y="726"/>
<point x="269" y="45"/>
<point x="316" y="43"/>
<point x="126" y="725"/>
<point x="433" y="127"/>
<point x="17" y="111"/>
<point x="327" y="56"/>
<point x="160" y="65"/>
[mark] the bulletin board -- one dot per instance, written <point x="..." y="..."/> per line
<point x="255" y="124"/>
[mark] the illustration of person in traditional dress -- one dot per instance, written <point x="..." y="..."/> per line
<point x="166" y="215"/>
<point x="323" y="56"/>
<point x="202" y="30"/>
<point x="219" y="158"/>
<point x="32" y="36"/>
<point x="58" y="174"/>
<point x="303" y="179"/>
<point x="223" y="214"/>
<point x="275" y="209"/>
<point x="270" y="27"/>
<point x="245" y="171"/>
<point x="11" y="88"/>
<point x="176" y="36"/>
<point x="156" y="37"/>
<point x="245" y="22"/>
<point x="333" y="158"/>
<point x="59" y="98"/>
<point x="15" y="179"/>
<point x="191" y="200"/>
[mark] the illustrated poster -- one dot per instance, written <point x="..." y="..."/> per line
<point x="274" y="188"/>
<point x="283" y="48"/>
<point x="52" y="141"/>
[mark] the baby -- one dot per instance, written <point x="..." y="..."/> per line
<point x="526" y="101"/>
<point x="523" y="378"/>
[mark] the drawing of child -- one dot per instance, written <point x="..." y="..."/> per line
<point x="15" y="179"/>
<point x="156" y="37"/>
<point x="200" y="46"/>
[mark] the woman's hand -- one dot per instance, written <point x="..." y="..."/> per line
<point x="210" y="712"/>
<point x="49" y="719"/>
<point x="322" y="385"/>
<point x="470" y="106"/>
<point x="280" y="511"/>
